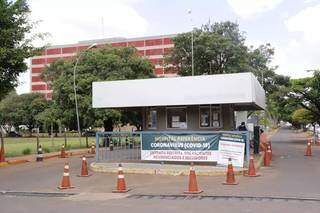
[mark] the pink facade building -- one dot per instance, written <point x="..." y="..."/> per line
<point x="153" y="48"/>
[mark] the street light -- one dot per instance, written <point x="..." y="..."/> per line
<point x="75" y="89"/>
<point x="192" y="63"/>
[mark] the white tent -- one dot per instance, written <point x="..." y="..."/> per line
<point x="241" y="89"/>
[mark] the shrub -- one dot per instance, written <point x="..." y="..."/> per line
<point x="68" y="147"/>
<point x="26" y="151"/>
<point x="46" y="150"/>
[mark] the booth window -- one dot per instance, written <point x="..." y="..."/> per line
<point x="152" y="118"/>
<point x="177" y="117"/>
<point x="210" y="116"/>
<point x="216" y="116"/>
<point x="205" y="116"/>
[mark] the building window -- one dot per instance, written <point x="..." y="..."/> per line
<point x="216" y="116"/>
<point x="210" y="116"/>
<point x="152" y="118"/>
<point x="205" y="116"/>
<point x="177" y="117"/>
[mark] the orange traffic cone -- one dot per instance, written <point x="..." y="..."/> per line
<point x="252" y="170"/>
<point x="308" y="151"/>
<point x="269" y="144"/>
<point x="93" y="149"/>
<point x="193" y="185"/>
<point x="121" y="184"/>
<point x="2" y="157"/>
<point x="65" y="183"/>
<point x="230" y="175"/>
<point x="63" y="152"/>
<point x="267" y="154"/>
<point x="84" y="168"/>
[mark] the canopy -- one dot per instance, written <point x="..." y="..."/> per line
<point x="241" y="89"/>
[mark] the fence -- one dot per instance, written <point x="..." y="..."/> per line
<point x="114" y="146"/>
<point x="126" y="146"/>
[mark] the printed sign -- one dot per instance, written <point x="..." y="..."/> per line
<point x="203" y="147"/>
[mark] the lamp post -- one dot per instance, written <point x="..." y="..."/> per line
<point x="75" y="89"/>
<point x="192" y="62"/>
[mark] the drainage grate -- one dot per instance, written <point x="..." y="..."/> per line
<point x="218" y="197"/>
<point x="35" y="194"/>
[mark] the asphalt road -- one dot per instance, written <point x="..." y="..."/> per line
<point x="291" y="175"/>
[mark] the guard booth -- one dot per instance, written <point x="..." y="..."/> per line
<point x="184" y="118"/>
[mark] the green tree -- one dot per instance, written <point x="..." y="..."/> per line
<point x="218" y="48"/>
<point x="103" y="64"/>
<point x="306" y="91"/>
<point x="303" y="116"/>
<point x="49" y="117"/>
<point x="22" y="109"/>
<point x="14" y="46"/>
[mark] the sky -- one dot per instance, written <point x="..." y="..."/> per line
<point x="290" y="26"/>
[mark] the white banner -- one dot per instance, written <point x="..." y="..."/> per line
<point x="179" y="155"/>
<point x="233" y="150"/>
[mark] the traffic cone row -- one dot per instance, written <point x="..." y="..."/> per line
<point x="66" y="182"/>
<point x="192" y="186"/>
<point x="308" y="151"/>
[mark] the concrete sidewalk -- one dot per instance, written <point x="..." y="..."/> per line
<point x="169" y="169"/>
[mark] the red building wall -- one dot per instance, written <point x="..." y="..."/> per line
<point x="153" y="48"/>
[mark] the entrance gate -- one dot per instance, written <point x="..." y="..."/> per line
<point x="127" y="146"/>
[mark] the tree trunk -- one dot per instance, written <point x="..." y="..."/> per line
<point x="108" y="125"/>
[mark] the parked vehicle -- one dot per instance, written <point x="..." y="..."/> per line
<point x="89" y="134"/>
<point x="13" y="134"/>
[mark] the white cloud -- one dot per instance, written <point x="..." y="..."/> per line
<point x="69" y="21"/>
<point x="306" y="22"/>
<point x="300" y="53"/>
<point x="249" y="8"/>
<point x="73" y="20"/>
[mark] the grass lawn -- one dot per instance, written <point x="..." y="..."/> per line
<point x="19" y="146"/>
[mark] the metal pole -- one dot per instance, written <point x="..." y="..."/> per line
<point x="75" y="98"/>
<point x="37" y="139"/>
<point x="192" y="61"/>
<point x="65" y="137"/>
<point x="75" y="91"/>
<point x="97" y="147"/>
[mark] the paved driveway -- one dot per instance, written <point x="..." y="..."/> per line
<point x="291" y="175"/>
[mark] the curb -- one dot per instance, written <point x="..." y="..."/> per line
<point x="3" y="164"/>
<point x="164" y="171"/>
<point x="13" y="162"/>
<point x="21" y="161"/>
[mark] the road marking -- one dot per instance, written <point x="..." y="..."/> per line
<point x="222" y="197"/>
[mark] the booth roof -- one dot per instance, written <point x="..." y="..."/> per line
<point x="241" y="89"/>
